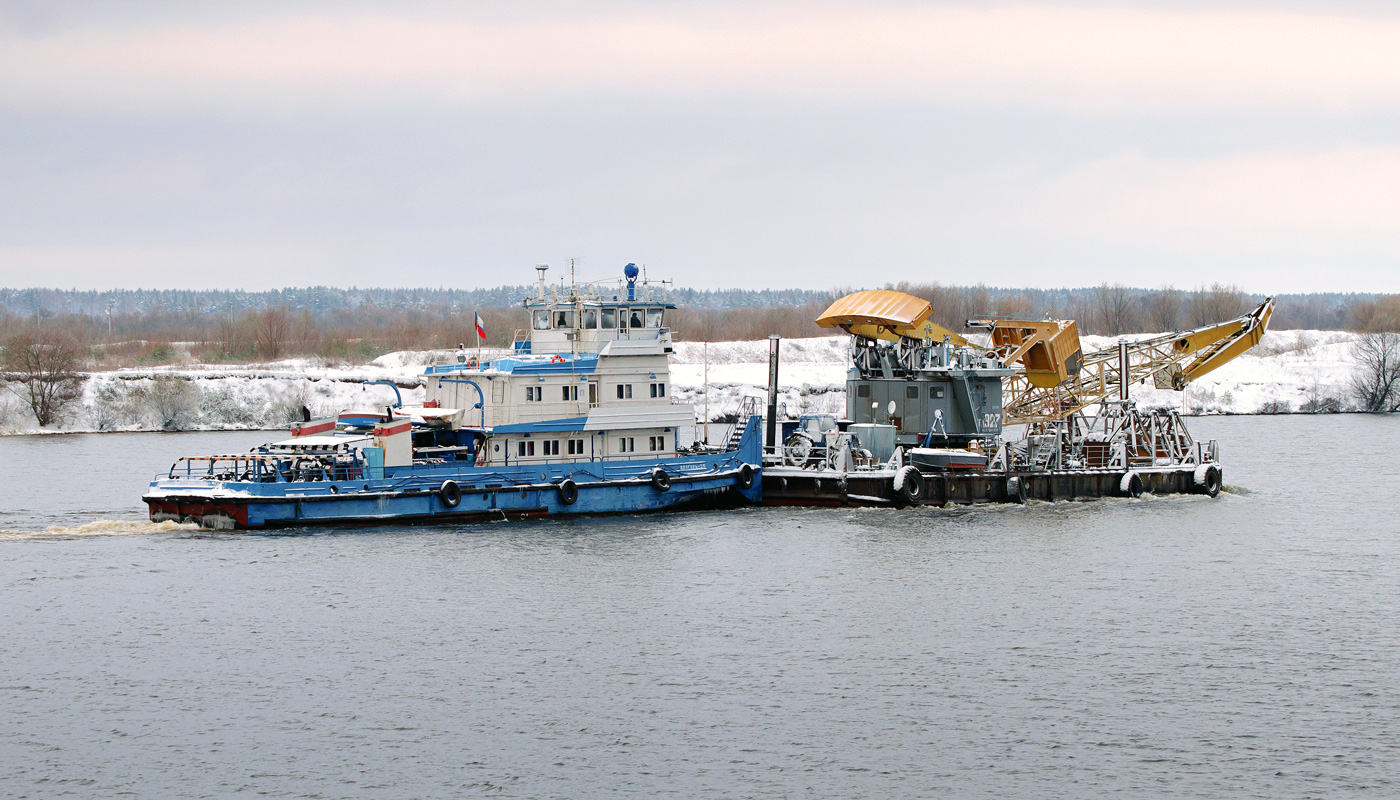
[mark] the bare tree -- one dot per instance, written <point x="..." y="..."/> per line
<point x="272" y="332"/>
<point x="172" y="402"/>
<point x="1217" y="304"/>
<point x="1164" y="309"/>
<point x="1375" y="381"/>
<point x="1113" y="307"/>
<point x="43" y="362"/>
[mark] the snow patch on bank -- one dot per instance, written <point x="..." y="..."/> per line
<point x="1288" y="371"/>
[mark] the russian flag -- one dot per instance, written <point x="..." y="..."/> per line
<point x="480" y="326"/>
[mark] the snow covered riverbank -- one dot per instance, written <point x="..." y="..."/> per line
<point x="1288" y="371"/>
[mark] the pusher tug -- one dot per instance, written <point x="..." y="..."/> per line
<point x="577" y="419"/>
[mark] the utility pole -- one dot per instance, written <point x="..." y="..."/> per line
<point x="706" y="383"/>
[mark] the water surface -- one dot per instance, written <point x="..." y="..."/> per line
<point x="1169" y="647"/>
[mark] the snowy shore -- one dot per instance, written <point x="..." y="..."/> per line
<point x="1289" y="371"/>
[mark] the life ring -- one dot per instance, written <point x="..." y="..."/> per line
<point x="450" y="494"/>
<point x="568" y="492"/>
<point x="471" y="363"/>
<point x="556" y="359"/>
<point x="745" y="479"/>
<point x="660" y="480"/>
<point x="909" y="486"/>
<point x="1131" y="485"/>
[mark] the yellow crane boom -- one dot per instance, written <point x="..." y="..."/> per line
<point x="1171" y="361"/>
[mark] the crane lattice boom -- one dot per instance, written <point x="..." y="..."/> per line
<point x="1171" y="361"/>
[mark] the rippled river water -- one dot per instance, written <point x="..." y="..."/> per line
<point x="1247" y="646"/>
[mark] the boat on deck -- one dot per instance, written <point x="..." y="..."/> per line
<point x="577" y="418"/>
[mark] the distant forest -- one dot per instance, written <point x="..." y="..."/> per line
<point x="150" y="326"/>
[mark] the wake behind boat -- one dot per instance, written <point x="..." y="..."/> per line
<point x="577" y="419"/>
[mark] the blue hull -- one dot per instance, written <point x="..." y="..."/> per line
<point x="417" y="493"/>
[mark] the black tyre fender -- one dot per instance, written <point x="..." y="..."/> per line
<point x="661" y="480"/>
<point x="450" y="494"/>
<point x="1131" y="485"/>
<point x="909" y="483"/>
<point x="568" y="492"/>
<point x="745" y="479"/>
<point x="1016" y="490"/>
<point x="1209" y="481"/>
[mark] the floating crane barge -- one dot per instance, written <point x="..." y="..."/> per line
<point x="932" y="417"/>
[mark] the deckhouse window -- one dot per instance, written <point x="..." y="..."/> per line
<point x="653" y="317"/>
<point x="563" y="319"/>
<point x="541" y="317"/>
<point x="624" y="391"/>
<point x="609" y="318"/>
<point x="658" y="390"/>
<point x="534" y="394"/>
<point x="626" y="445"/>
<point x="570" y="393"/>
<point x="656" y="443"/>
<point x="590" y="318"/>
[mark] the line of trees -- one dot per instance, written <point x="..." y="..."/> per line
<point x="43" y="361"/>
<point x="354" y="334"/>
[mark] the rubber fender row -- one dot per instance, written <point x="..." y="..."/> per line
<point x="451" y="494"/>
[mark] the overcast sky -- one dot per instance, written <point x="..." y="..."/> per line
<point x="751" y="144"/>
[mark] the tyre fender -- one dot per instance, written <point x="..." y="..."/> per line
<point x="1131" y="485"/>
<point x="909" y="486"/>
<point x="661" y="480"/>
<point x="568" y="492"/>
<point x="1016" y="490"/>
<point x="1208" y="479"/>
<point x="745" y="479"/>
<point x="450" y="494"/>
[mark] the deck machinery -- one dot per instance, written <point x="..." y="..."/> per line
<point x="1022" y="413"/>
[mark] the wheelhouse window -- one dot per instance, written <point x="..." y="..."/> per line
<point x="590" y="318"/>
<point x="541" y="319"/>
<point x="564" y="319"/>
<point x="634" y="320"/>
<point x="609" y="316"/>
<point x="653" y="317"/>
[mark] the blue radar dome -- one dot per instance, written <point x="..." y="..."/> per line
<point x="631" y="272"/>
